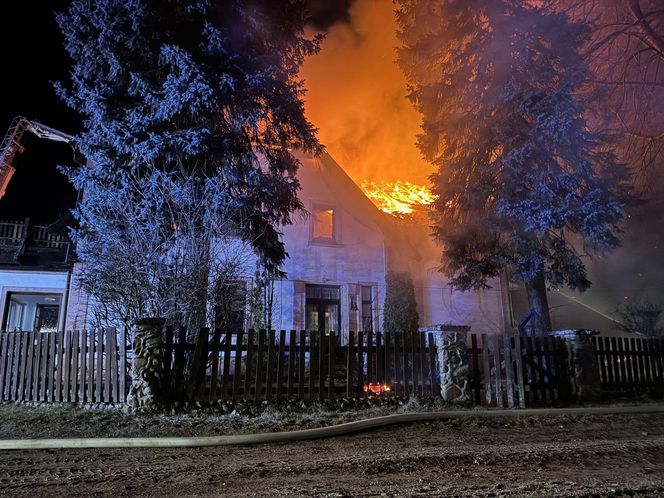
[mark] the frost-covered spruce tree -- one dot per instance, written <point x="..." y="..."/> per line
<point x="192" y="109"/>
<point x="522" y="184"/>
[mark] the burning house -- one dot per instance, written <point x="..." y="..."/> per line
<point x="340" y="251"/>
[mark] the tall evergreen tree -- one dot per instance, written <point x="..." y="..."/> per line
<point x="400" y="316"/>
<point x="188" y="104"/>
<point x="522" y="184"/>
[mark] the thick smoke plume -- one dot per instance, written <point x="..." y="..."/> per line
<point x="357" y="98"/>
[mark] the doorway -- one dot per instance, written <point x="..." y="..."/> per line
<point x="323" y="308"/>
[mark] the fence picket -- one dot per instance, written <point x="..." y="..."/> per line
<point x="609" y="347"/>
<point x="349" y="364"/>
<point x="248" y="367"/>
<point x="180" y="357"/>
<point x="313" y="358"/>
<point x="518" y="354"/>
<point x="498" y="369"/>
<point x="4" y="340"/>
<point x="259" y="364"/>
<point x="638" y="345"/>
<point x="292" y="358"/>
<point x="414" y="343"/>
<point x="432" y="362"/>
<point x="51" y="365"/>
<point x="627" y="345"/>
<point x="360" y="364"/>
<point x="214" y="371"/>
<point x="280" y="363"/>
<point x="237" y="372"/>
<point x="509" y="383"/>
<point x="423" y="363"/>
<point x="36" y="373"/>
<point x="270" y="365"/>
<point x="488" y="379"/>
<point x="547" y="381"/>
<point x="84" y="360"/>
<point x="113" y="352"/>
<point x="601" y="359"/>
<point x="23" y="360"/>
<point x="647" y="356"/>
<point x="398" y="362"/>
<point x="321" y="365"/>
<point x="73" y="376"/>
<point x="27" y="393"/>
<point x="12" y="367"/>
<point x="387" y="366"/>
<point x="302" y="363"/>
<point x="370" y="358"/>
<point x="405" y="348"/>
<point x="331" y="361"/>
<point x="226" y="373"/>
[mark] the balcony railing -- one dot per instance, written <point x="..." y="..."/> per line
<point x="22" y="237"/>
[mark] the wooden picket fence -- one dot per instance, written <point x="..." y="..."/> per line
<point x="630" y="364"/>
<point x="72" y="366"/>
<point x="262" y="365"/>
<point x="510" y="370"/>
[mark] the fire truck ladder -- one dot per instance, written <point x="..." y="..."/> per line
<point x="11" y="145"/>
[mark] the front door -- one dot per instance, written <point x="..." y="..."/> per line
<point x="323" y="308"/>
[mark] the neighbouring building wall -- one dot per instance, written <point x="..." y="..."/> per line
<point x="483" y="311"/>
<point x="412" y="250"/>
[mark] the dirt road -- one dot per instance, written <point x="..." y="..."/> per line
<point x="531" y="456"/>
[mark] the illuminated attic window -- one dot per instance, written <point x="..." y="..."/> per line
<point x="322" y="224"/>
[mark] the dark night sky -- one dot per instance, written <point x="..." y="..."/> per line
<point x="32" y="59"/>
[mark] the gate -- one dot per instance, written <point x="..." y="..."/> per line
<point x="510" y="370"/>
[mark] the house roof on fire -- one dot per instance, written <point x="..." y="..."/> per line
<point x="398" y="236"/>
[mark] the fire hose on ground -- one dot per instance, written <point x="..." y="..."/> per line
<point x="305" y="434"/>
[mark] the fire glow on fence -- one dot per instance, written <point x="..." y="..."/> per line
<point x="376" y="388"/>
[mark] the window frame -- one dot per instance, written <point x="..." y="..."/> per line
<point x="323" y="206"/>
<point x="7" y="292"/>
<point x="320" y="304"/>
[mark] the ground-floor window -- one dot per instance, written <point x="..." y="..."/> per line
<point x="39" y="312"/>
<point x="323" y="308"/>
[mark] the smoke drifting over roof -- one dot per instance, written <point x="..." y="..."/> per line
<point x="325" y="13"/>
<point x="357" y="96"/>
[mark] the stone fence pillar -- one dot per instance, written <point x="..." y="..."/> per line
<point x="586" y="371"/>
<point x="452" y="361"/>
<point x="146" y="364"/>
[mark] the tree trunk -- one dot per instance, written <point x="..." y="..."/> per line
<point x="540" y="319"/>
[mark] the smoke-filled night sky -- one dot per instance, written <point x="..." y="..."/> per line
<point x="356" y="98"/>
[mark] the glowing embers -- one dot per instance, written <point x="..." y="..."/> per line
<point x="376" y="388"/>
<point x="398" y="198"/>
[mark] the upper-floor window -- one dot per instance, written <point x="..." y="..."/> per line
<point x="323" y="224"/>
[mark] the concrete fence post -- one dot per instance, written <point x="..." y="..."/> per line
<point x="452" y="361"/>
<point x="586" y="370"/>
<point x="146" y="375"/>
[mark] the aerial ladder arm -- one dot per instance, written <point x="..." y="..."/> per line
<point x="11" y="145"/>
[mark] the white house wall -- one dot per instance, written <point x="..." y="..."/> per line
<point x="357" y="256"/>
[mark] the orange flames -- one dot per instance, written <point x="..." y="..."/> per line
<point x="398" y="198"/>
